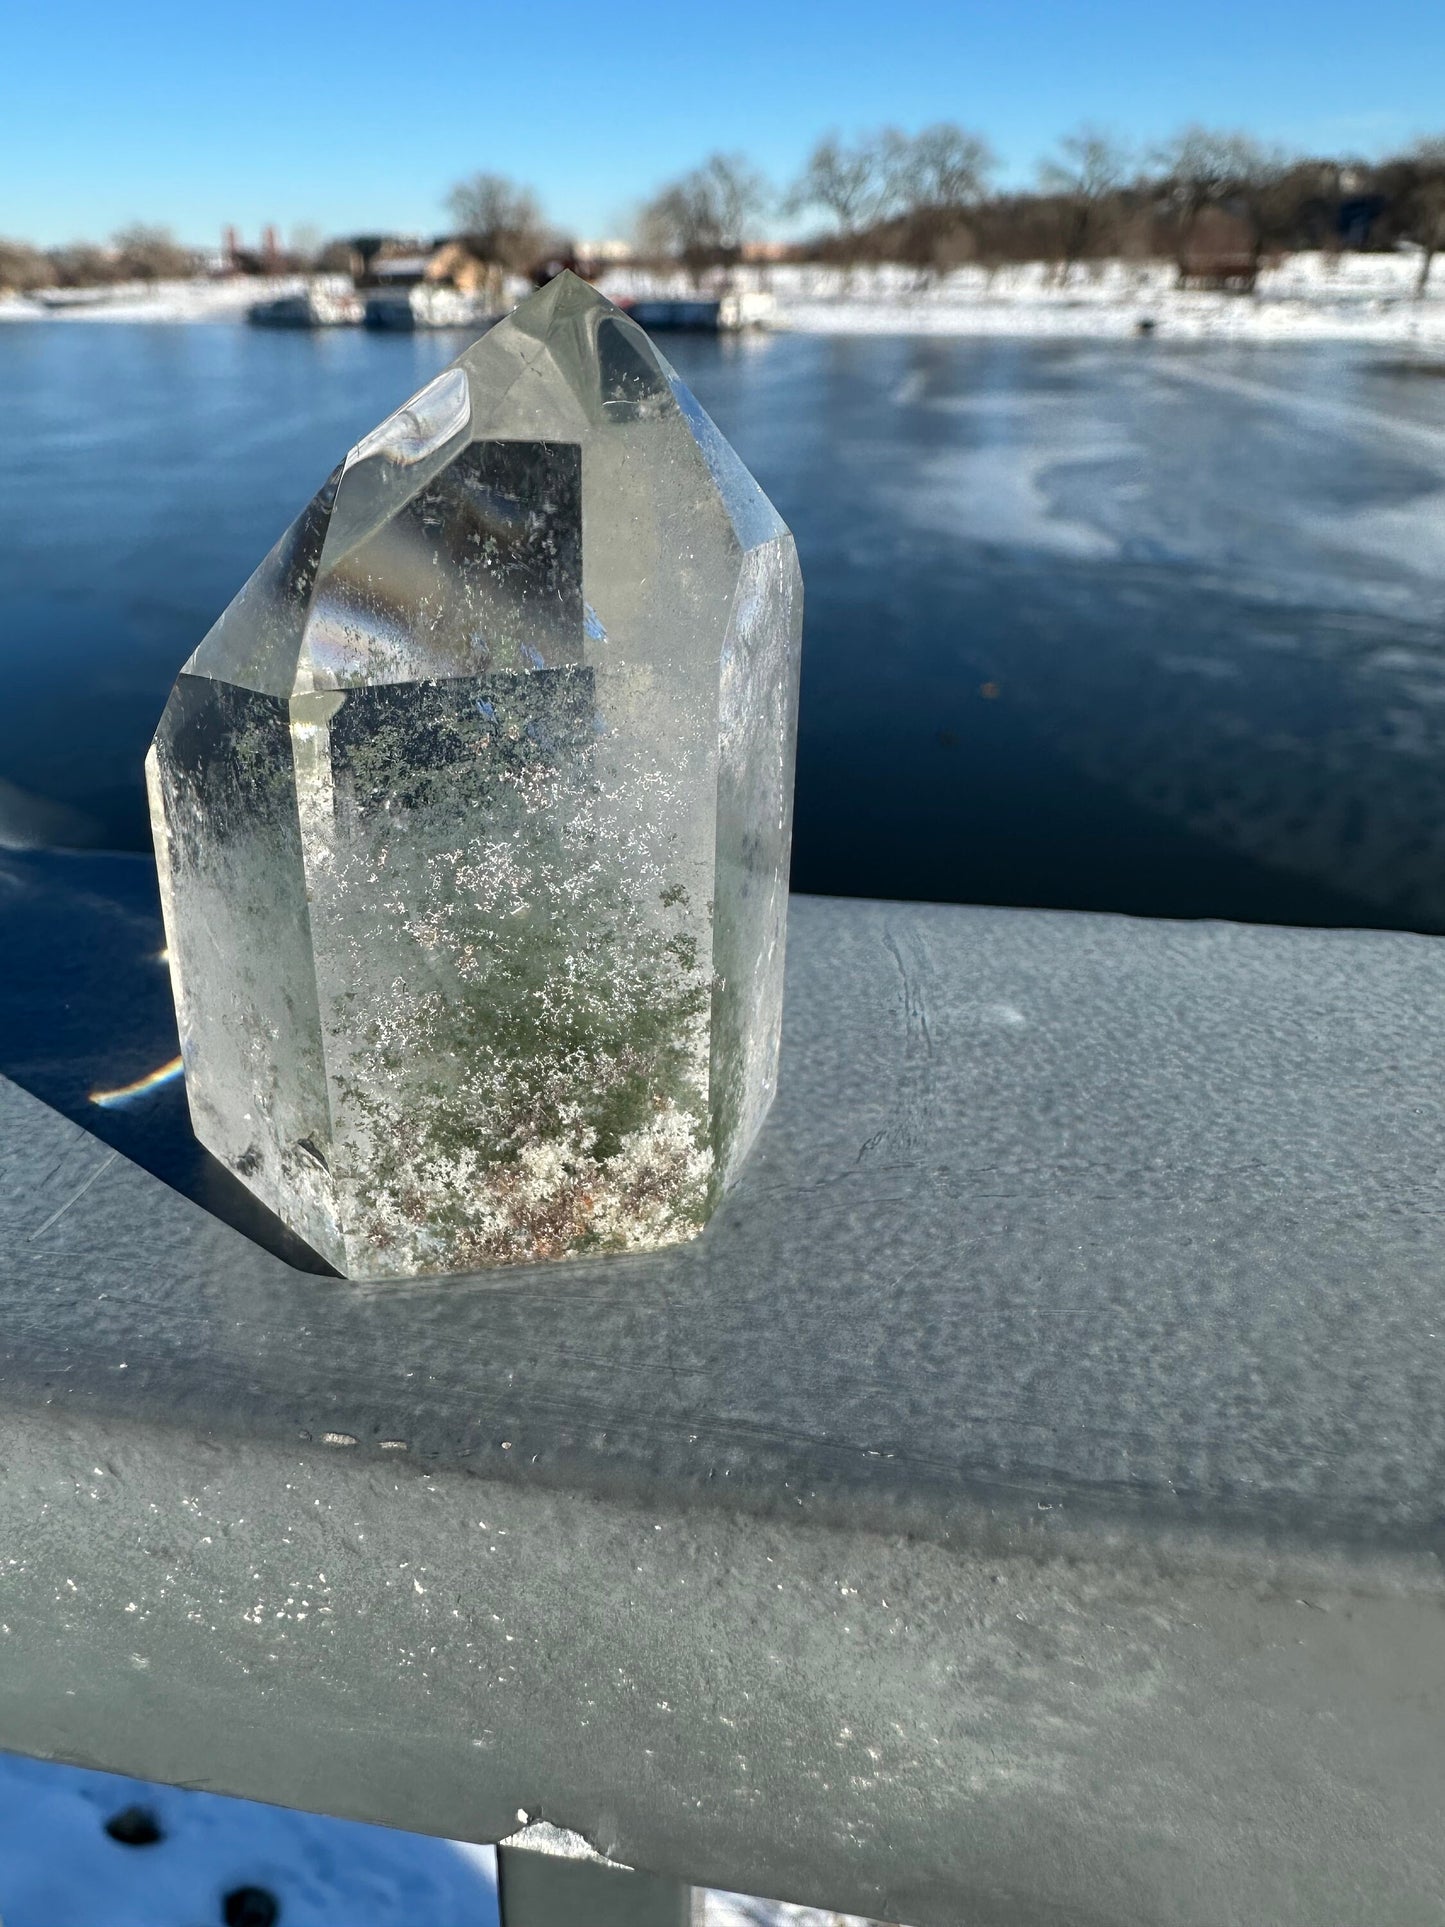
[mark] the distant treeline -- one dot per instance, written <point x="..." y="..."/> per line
<point x="135" y="254"/>
<point x="1206" y="199"/>
<point x="1215" y="203"/>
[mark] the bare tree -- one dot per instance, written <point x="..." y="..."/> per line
<point x="81" y="264"/>
<point x="152" y="254"/>
<point x="1090" y="163"/>
<point x="856" y="185"/>
<point x="1422" y="205"/>
<point x="1201" y="165"/>
<point x="24" y="268"/>
<point x="736" y="196"/>
<point x="1206" y="168"/>
<point x="704" y="218"/>
<point x="1086" y="177"/>
<point x="670" y="222"/>
<point x="936" y="178"/>
<point x="499" y="220"/>
<point x="945" y="167"/>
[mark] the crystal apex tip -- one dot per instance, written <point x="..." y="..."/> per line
<point x="565" y="297"/>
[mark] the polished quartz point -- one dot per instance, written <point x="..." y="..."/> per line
<point x="473" y="815"/>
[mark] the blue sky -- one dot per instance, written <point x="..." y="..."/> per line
<point x="361" y="115"/>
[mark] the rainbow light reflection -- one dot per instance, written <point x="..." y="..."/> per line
<point x="152" y="1081"/>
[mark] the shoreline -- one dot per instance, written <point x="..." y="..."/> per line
<point x="1364" y="298"/>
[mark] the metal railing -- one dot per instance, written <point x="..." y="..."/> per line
<point x="1021" y="1504"/>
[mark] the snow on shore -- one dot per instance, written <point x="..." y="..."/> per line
<point x="1309" y="297"/>
<point x="1361" y="297"/>
<point x="198" y="300"/>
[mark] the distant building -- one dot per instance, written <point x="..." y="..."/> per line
<point x="443" y="263"/>
<point x="237" y="258"/>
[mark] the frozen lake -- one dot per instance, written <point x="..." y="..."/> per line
<point x="1132" y="625"/>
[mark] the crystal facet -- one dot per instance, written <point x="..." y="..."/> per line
<point x="473" y="816"/>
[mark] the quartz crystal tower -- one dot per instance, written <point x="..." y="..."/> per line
<point x="473" y="815"/>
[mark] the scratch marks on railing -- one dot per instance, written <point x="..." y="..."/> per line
<point x="907" y="1128"/>
<point x="918" y="1037"/>
<point x="76" y="1195"/>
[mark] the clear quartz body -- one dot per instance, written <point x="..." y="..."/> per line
<point x="473" y="815"/>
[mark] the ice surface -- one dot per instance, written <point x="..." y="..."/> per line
<point x="473" y="815"/>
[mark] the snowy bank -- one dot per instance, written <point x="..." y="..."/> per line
<point x="1352" y="297"/>
<point x="197" y="300"/>
<point x="1308" y="297"/>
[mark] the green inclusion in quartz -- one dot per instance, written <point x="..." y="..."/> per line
<point x="473" y="815"/>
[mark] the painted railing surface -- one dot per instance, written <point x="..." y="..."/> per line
<point x="1022" y="1504"/>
